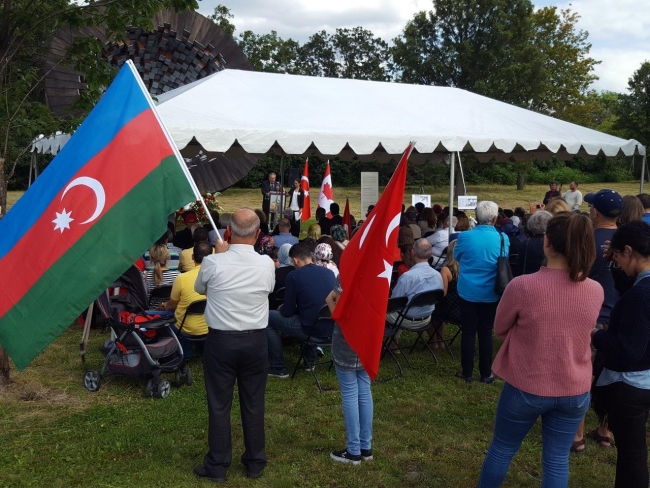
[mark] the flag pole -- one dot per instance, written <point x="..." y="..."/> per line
<point x="177" y="153"/>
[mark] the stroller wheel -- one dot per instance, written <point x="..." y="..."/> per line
<point x="188" y="376"/>
<point x="150" y="389"/>
<point x="163" y="389"/>
<point x="92" y="380"/>
<point x="178" y="379"/>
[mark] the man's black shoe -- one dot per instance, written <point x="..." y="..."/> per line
<point x="201" y="472"/>
<point x="255" y="474"/>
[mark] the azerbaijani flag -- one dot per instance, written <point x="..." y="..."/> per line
<point x="95" y="209"/>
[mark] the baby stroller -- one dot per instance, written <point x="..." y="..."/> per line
<point x="143" y="344"/>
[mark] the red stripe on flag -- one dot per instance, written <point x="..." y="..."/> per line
<point x="134" y="152"/>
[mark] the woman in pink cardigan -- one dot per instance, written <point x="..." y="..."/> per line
<point x="545" y="320"/>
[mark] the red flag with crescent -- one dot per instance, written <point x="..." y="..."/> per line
<point x="326" y="196"/>
<point x="365" y="273"/>
<point x="304" y="186"/>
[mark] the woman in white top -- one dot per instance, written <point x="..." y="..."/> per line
<point x="296" y="199"/>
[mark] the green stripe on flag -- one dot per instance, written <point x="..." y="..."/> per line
<point x="99" y="257"/>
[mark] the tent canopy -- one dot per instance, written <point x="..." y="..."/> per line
<point x="237" y="111"/>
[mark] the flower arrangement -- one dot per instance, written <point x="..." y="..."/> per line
<point x="211" y="202"/>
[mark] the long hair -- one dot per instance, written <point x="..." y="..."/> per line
<point x="632" y="210"/>
<point x="572" y="235"/>
<point x="451" y="263"/>
<point x="159" y="255"/>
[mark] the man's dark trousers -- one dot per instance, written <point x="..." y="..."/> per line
<point x="230" y="356"/>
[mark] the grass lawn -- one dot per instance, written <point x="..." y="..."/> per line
<point x="431" y="430"/>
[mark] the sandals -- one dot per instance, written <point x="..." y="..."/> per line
<point x="603" y="441"/>
<point x="578" y="446"/>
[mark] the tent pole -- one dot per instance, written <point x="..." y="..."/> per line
<point x="643" y="167"/>
<point x="452" y="178"/>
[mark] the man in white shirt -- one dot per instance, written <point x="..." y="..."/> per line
<point x="237" y="282"/>
<point x="439" y="240"/>
<point x="573" y="197"/>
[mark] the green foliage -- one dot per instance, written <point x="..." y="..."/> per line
<point x="634" y="109"/>
<point x="349" y="53"/>
<point x="499" y="48"/>
<point x="221" y="17"/>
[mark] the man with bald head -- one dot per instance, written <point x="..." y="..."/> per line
<point x="237" y="282"/>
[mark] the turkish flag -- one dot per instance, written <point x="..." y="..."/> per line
<point x="304" y="186"/>
<point x="365" y="272"/>
<point x="326" y="196"/>
<point x="347" y="222"/>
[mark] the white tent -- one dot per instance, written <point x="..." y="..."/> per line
<point x="234" y="110"/>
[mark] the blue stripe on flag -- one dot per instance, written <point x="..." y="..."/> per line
<point x="122" y="102"/>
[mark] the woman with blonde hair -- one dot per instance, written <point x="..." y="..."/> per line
<point x="314" y="232"/>
<point x="160" y="275"/>
<point x="557" y="205"/>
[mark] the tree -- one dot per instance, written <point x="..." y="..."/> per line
<point x="269" y="52"/>
<point x="634" y="109"/>
<point x="348" y="53"/>
<point x="221" y="17"/>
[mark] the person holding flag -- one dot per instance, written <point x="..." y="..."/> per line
<point x="358" y="305"/>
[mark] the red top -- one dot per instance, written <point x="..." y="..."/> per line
<point x="546" y="321"/>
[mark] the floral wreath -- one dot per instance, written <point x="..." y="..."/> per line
<point x="211" y="202"/>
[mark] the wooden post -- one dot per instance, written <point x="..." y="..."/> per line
<point x="5" y="368"/>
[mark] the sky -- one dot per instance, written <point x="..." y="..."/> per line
<point x="616" y="28"/>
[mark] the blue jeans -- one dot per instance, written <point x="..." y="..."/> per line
<point x="290" y="327"/>
<point x="357" y="408"/>
<point x="516" y="414"/>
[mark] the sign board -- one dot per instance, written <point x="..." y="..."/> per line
<point x="426" y="199"/>
<point x="369" y="191"/>
<point x="467" y="202"/>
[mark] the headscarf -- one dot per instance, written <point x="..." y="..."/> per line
<point x="283" y="255"/>
<point x="338" y="233"/>
<point x="323" y="256"/>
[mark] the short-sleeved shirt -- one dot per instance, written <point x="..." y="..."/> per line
<point x="420" y="278"/>
<point x="183" y="292"/>
<point x="477" y="252"/>
<point x="601" y="272"/>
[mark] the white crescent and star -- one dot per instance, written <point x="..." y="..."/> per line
<point x="63" y="219"/>
<point x="394" y="223"/>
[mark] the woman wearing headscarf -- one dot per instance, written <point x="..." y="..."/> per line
<point x="339" y="235"/>
<point x="285" y="266"/>
<point x="323" y="256"/>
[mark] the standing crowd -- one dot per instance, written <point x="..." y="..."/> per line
<point x="575" y="319"/>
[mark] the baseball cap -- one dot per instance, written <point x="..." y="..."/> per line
<point x="606" y="201"/>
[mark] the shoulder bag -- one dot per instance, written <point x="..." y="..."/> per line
<point x="504" y="272"/>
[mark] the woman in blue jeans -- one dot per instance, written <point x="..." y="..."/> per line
<point x="546" y="320"/>
<point x="355" y="395"/>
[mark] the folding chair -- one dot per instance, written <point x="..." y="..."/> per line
<point x="194" y="308"/>
<point x="419" y="300"/>
<point x="437" y="262"/>
<point x="319" y="335"/>
<point x="395" y="304"/>
<point x="159" y="295"/>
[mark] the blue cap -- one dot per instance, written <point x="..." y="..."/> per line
<point x="607" y="202"/>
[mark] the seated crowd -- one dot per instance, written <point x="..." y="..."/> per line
<point x="442" y="248"/>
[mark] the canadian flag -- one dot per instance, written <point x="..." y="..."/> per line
<point x="304" y="186"/>
<point x="326" y="196"/>
<point x="365" y="272"/>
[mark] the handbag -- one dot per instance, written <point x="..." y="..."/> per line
<point x="504" y="272"/>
